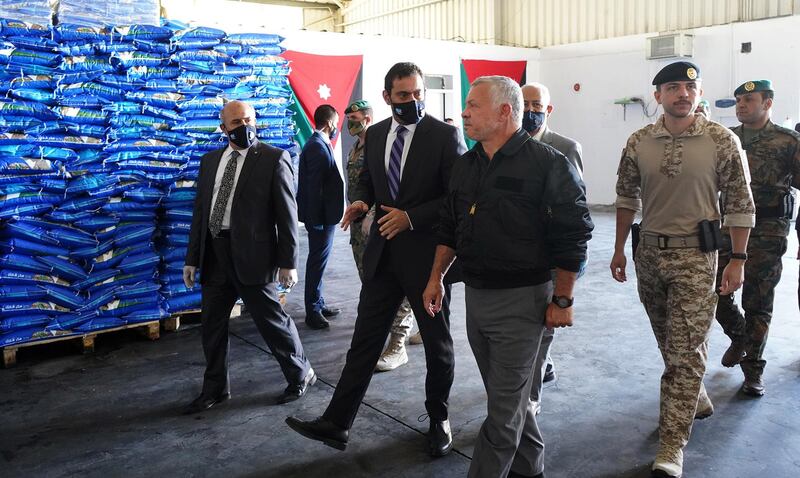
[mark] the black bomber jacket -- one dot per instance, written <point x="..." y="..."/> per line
<point x="512" y="219"/>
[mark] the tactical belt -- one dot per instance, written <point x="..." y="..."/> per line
<point x="772" y="213"/>
<point x="666" y="242"/>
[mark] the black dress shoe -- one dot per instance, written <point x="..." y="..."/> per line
<point x="203" y="403"/>
<point x="440" y="439"/>
<point x="294" y="392"/>
<point x="317" y="321"/>
<point x="330" y="311"/>
<point x="513" y="474"/>
<point x="322" y="430"/>
<point x="549" y="374"/>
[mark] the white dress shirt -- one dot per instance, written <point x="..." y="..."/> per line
<point x="223" y="163"/>
<point x="390" y="141"/>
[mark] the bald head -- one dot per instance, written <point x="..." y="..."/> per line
<point x="236" y="113"/>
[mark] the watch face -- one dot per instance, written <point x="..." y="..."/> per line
<point x="562" y="301"/>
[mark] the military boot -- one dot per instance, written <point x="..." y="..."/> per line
<point x="704" y="407"/>
<point x="753" y="386"/>
<point x="395" y="354"/>
<point x="734" y="354"/>
<point x="668" y="463"/>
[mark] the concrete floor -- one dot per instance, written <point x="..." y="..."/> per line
<point x="114" y="413"/>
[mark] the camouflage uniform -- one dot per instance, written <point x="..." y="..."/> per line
<point x="404" y="320"/>
<point x="676" y="285"/>
<point x="774" y="158"/>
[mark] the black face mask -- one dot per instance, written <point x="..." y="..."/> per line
<point x="410" y="112"/>
<point x="334" y="133"/>
<point x="244" y="136"/>
<point x="532" y="120"/>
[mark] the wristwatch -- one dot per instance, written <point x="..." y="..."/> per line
<point x="739" y="255"/>
<point x="563" y="301"/>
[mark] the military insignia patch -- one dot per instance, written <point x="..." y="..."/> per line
<point x="749" y="86"/>
<point x="691" y="73"/>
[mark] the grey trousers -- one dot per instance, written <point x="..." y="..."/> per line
<point x="504" y="327"/>
<point x="542" y="359"/>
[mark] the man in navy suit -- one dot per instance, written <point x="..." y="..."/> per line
<point x="320" y="203"/>
<point x="407" y="163"/>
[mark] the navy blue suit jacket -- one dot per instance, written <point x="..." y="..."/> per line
<point x="320" y="187"/>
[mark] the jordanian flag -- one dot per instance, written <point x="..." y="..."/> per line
<point x="317" y="80"/>
<point x="473" y="69"/>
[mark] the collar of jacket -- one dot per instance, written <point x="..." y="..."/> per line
<point x="764" y="133"/>
<point x="698" y="128"/>
<point x="514" y="143"/>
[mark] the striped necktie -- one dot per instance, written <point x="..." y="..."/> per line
<point x="395" y="159"/>
<point x="224" y="193"/>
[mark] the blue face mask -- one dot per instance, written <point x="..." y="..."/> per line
<point x="334" y="133"/>
<point x="532" y="120"/>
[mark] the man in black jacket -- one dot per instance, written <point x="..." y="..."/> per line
<point x="407" y="163"/>
<point x="243" y="236"/>
<point x="515" y="208"/>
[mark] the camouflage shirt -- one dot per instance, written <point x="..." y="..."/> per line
<point x="774" y="158"/>
<point x="355" y="164"/>
<point x="676" y="181"/>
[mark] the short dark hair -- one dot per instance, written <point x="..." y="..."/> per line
<point x="767" y="95"/>
<point x="400" y="70"/>
<point x="323" y="114"/>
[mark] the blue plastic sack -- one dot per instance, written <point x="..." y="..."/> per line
<point x="23" y="262"/>
<point x="50" y="232"/>
<point x="68" y="217"/>
<point x="138" y="145"/>
<point x="100" y="323"/>
<point x="156" y="98"/>
<point x="82" y="204"/>
<point x="12" y="277"/>
<point x="144" y="193"/>
<point x="153" y="46"/>
<point x="96" y="223"/>
<point x="9" y="27"/>
<point x="94" y="278"/>
<point x="32" y="94"/>
<point x="34" y="81"/>
<point x="183" y="303"/>
<point x="63" y="268"/>
<point x="119" y="308"/>
<point x="198" y="78"/>
<point x="254" y="39"/>
<point x="18" y="56"/>
<point x="23" y="335"/>
<point x="140" y="121"/>
<point x="25" y="166"/>
<point x="141" y="32"/>
<point x="25" y="108"/>
<point x="11" y="293"/>
<point x="194" y="44"/>
<point x="83" y="101"/>
<point x="91" y="88"/>
<point x="10" y="324"/>
<point x="120" y="280"/>
<point x="67" y="322"/>
<point x="122" y="206"/>
<point x="139" y="289"/>
<point x="146" y="315"/>
<point x="77" y="49"/>
<point x="130" y="235"/>
<point x="114" y="47"/>
<point x="121" y="81"/>
<point x="260" y="60"/>
<point x="212" y="56"/>
<point x="139" y="262"/>
<point x="18" y="124"/>
<point x="83" y="116"/>
<point x="25" y="210"/>
<point x="136" y="58"/>
<point x="72" y="64"/>
<point x="198" y="32"/>
<point x="64" y="297"/>
<point x="66" y="32"/>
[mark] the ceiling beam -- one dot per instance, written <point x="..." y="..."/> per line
<point x="299" y="3"/>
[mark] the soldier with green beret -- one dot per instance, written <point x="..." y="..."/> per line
<point x="773" y="153"/>
<point x="359" y="119"/>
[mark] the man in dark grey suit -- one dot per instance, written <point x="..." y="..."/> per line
<point x="407" y="163"/>
<point x="243" y="235"/>
<point x="537" y="111"/>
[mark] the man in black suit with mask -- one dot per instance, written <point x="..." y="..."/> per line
<point x="408" y="159"/>
<point x="243" y="235"/>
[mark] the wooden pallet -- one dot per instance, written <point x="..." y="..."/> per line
<point x="151" y="330"/>
<point x="173" y="323"/>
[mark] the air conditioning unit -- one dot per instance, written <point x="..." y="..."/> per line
<point x="670" y="46"/>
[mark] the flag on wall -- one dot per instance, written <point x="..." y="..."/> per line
<point x="318" y="80"/>
<point x="473" y="69"/>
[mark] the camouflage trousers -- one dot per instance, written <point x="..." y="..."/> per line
<point x="404" y="320"/>
<point x="762" y="271"/>
<point x="676" y="287"/>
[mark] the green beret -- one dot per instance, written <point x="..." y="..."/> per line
<point x="678" y="71"/>
<point x="358" y="106"/>
<point x="754" y="85"/>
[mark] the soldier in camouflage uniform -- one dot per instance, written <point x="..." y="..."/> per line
<point x="359" y="117"/>
<point x="672" y="171"/>
<point x="773" y="154"/>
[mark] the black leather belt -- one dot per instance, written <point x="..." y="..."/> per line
<point x="225" y="233"/>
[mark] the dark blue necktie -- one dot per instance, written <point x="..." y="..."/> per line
<point x="395" y="159"/>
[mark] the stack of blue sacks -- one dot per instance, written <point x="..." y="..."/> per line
<point x="101" y="134"/>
